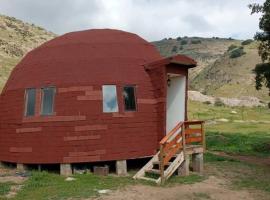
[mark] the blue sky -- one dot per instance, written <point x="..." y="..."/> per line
<point x="151" y="19"/>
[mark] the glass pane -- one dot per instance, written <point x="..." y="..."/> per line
<point x="109" y="98"/>
<point x="30" y="102"/>
<point x="47" y="101"/>
<point x="129" y="98"/>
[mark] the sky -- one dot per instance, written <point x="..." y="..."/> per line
<point x="151" y="19"/>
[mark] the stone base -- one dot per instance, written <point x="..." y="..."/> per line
<point x="65" y="169"/>
<point x="21" y="167"/>
<point x="183" y="170"/>
<point x="197" y="162"/>
<point x="121" y="167"/>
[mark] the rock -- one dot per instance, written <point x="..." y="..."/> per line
<point x="70" y="179"/>
<point x="104" y="191"/>
<point x="247" y="101"/>
<point x="222" y="120"/>
<point x="233" y="112"/>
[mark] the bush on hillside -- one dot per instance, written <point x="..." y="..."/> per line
<point x="174" y="49"/>
<point x="184" y="42"/>
<point x="247" y="42"/>
<point x="219" y="102"/>
<point x="232" y="47"/>
<point x="207" y="102"/>
<point x="196" y="42"/>
<point x="238" y="52"/>
<point x="178" y="38"/>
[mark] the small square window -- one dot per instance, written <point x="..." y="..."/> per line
<point x="30" y="102"/>
<point x="109" y="98"/>
<point x="129" y="98"/>
<point x="47" y="100"/>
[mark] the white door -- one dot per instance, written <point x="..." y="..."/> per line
<point x="176" y="92"/>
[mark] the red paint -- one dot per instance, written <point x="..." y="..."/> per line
<point x="78" y="64"/>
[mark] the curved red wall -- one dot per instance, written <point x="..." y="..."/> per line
<point x="79" y="131"/>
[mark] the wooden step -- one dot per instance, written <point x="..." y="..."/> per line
<point x="148" y="179"/>
<point x="153" y="171"/>
<point x="158" y="162"/>
<point x="158" y="181"/>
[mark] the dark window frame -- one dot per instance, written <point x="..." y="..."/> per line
<point x="135" y="98"/>
<point x="42" y="101"/>
<point x="25" y="114"/>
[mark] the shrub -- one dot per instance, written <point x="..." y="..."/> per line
<point x="184" y="42"/>
<point x="207" y="102"/>
<point x="237" y="53"/>
<point x="178" y="38"/>
<point x="196" y="42"/>
<point x="218" y="102"/>
<point x="174" y="49"/>
<point x="247" y="42"/>
<point x="232" y="47"/>
<point x="181" y="48"/>
<point x="261" y="147"/>
<point x="170" y="38"/>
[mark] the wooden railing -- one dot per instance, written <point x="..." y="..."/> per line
<point x="170" y="145"/>
<point x="184" y="133"/>
<point x="194" y="132"/>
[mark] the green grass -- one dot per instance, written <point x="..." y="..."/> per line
<point x="243" y="175"/>
<point x="191" y="179"/>
<point x="246" y="132"/>
<point x="5" y="188"/>
<point x="43" y="185"/>
<point x="257" y="144"/>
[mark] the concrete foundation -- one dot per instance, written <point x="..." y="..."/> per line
<point x="65" y="169"/>
<point x="21" y="167"/>
<point x="183" y="170"/>
<point x="121" y="167"/>
<point x="197" y="162"/>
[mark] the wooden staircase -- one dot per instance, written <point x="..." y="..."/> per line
<point x="172" y="152"/>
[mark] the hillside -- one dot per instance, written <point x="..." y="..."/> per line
<point x="16" y="39"/>
<point x="217" y="73"/>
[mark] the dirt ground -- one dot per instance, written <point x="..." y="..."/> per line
<point x="212" y="188"/>
<point x="11" y="175"/>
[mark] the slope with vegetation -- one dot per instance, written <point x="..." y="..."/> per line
<point x="16" y="39"/>
<point x="225" y="66"/>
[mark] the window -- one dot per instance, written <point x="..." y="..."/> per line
<point x="109" y="98"/>
<point x="129" y="98"/>
<point x="30" y="102"/>
<point x="47" y="100"/>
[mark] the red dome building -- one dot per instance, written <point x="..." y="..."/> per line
<point x="87" y="96"/>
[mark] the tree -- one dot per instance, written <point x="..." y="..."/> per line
<point x="262" y="70"/>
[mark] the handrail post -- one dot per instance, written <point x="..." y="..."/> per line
<point x="184" y="139"/>
<point x="203" y="136"/>
<point x="161" y="164"/>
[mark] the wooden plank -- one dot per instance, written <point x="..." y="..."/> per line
<point x="193" y="122"/>
<point x="174" y="166"/>
<point x="193" y="139"/>
<point x="166" y="138"/>
<point x="148" y="165"/>
<point x="190" y="131"/>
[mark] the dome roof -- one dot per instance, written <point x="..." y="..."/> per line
<point x="94" y="56"/>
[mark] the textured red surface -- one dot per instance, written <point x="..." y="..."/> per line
<point x="78" y="64"/>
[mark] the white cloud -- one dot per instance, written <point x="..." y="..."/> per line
<point x="152" y="19"/>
